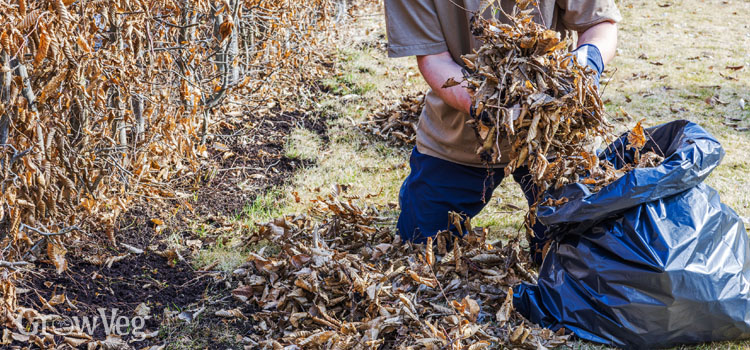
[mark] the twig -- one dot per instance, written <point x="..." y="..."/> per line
<point x="13" y="265"/>
<point x="129" y="174"/>
<point x="442" y="291"/>
<point x="49" y="234"/>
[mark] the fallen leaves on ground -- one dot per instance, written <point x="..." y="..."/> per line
<point x="340" y="279"/>
<point x="397" y="123"/>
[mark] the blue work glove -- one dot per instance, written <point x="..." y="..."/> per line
<point x="589" y="55"/>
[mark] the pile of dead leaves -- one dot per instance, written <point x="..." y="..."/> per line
<point x="532" y="100"/>
<point x="337" y="279"/>
<point x="603" y="173"/>
<point x="397" y="124"/>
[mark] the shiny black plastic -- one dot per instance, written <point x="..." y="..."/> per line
<point x="652" y="260"/>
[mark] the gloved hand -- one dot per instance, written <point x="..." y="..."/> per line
<point x="589" y="55"/>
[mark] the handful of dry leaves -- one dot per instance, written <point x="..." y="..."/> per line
<point x="535" y="95"/>
<point x="530" y="93"/>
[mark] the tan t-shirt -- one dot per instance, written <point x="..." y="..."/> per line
<point x="428" y="27"/>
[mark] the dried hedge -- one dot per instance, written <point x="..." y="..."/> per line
<point x="103" y="101"/>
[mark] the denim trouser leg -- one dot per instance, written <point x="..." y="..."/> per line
<point x="435" y="187"/>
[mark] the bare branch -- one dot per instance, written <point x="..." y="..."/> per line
<point x="64" y="231"/>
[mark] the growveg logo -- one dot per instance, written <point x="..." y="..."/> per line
<point x="111" y="323"/>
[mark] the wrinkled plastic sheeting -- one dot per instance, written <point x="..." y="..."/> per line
<point x="652" y="260"/>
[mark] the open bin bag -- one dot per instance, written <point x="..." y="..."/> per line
<point x="652" y="260"/>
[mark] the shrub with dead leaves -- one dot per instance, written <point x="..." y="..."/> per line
<point x="105" y="102"/>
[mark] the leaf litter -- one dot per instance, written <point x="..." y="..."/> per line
<point x="345" y="281"/>
<point x="338" y="278"/>
<point x="397" y="123"/>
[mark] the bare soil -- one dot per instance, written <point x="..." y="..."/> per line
<point x="259" y="163"/>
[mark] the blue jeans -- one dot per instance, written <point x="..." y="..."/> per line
<point x="436" y="187"/>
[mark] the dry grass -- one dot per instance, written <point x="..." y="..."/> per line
<point x="303" y="144"/>
<point x="694" y="42"/>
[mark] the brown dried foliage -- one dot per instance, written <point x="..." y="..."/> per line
<point x="536" y="97"/>
<point x="397" y="123"/>
<point x="530" y="93"/>
<point x="104" y="101"/>
<point x="341" y="280"/>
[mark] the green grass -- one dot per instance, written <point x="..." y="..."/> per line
<point x="228" y="250"/>
<point x="695" y="41"/>
<point x="351" y="157"/>
<point x="227" y="257"/>
<point x="265" y="207"/>
<point x="347" y="84"/>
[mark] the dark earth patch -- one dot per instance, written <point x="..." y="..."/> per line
<point x="213" y="332"/>
<point x="258" y="163"/>
<point x="147" y="278"/>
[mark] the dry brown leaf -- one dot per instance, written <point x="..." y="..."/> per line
<point x="471" y="309"/>
<point x="75" y="342"/>
<point x="225" y="29"/>
<point x="637" y="137"/>
<point x="56" y="254"/>
<point x="450" y="83"/>
<point x="57" y="299"/>
<point x="429" y="254"/>
<point x="233" y="313"/>
<point x="503" y="315"/>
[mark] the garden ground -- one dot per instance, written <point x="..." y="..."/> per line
<point x="676" y="60"/>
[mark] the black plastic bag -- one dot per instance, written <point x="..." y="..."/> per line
<point x="652" y="260"/>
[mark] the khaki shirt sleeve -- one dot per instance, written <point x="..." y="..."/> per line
<point x="581" y="14"/>
<point x="413" y="28"/>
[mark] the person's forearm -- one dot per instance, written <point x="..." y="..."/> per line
<point x="436" y="70"/>
<point x="603" y="36"/>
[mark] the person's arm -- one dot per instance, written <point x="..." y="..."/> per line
<point x="603" y="36"/>
<point x="597" y="45"/>
<point x="436" y="70"/>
